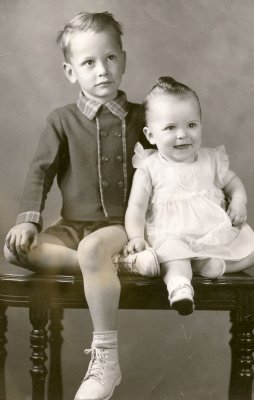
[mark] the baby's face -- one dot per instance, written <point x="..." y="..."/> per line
<point x="174" y="126"/>
<point x="97" y="63"/>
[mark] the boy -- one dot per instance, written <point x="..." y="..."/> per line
<point x="88" y="146"/>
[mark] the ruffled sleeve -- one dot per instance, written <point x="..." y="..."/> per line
<point x="222" y="165"/>
<point x="142" y="175"/>
<point x="140" y="154"/>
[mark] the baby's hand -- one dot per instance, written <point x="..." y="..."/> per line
<point x="237" y="212"/>
<point x="22" y="238"/>
<point x="135" y="245"/>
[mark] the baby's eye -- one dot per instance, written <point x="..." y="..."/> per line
<point x="171" y="127"/>
<point x="88" y="63"/>
<point x="192" y="125"/>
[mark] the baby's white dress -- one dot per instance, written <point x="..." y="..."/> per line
<point x="186" y="216"/>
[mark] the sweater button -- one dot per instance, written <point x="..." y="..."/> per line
<point x="120" y="184"/>
<point x="105" y="184"/>
<point x="104" y="133"/>
<point x="104" y="159"/>
<point x="118" y="134"/>
<point x="119" y="158"/>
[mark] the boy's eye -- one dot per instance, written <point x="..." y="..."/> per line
<point x="192" y="125"/>
<point x="112" y="57"/>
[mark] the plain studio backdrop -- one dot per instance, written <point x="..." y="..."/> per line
<point x="207" y="44"/>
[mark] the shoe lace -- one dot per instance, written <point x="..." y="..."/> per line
<point x="125" y="265"/>
<point x="97" y="363"/>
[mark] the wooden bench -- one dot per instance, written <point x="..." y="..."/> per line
<point x="47" y="296"/>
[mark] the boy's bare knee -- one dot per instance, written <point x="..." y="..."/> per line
<point x="92" y="253"/>
<point x="93" y="245"/>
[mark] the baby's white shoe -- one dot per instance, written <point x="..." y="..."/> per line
<point x="143" y="263"/>
<point x="212" y="268"/>
<point x="180" y="295"/>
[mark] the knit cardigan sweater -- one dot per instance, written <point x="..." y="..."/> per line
<point x="68" y="149"/>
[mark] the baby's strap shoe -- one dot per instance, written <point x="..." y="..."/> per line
<point x="143" y="263"/>
<point x="181" y="295"/>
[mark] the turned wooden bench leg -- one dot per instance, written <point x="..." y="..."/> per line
<point x="242" y="355"/>
<point x="55" y="385"/>
<point x="38" y="314"/>
<point x="3" y="352"/>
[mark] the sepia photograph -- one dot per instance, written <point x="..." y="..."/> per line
<point x="127" y="200"/>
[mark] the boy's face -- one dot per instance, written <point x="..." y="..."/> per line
<point x="97" y="63"/>
<point x="174" y="126"/>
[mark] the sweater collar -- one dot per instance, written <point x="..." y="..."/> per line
<point x="118" y="106"/>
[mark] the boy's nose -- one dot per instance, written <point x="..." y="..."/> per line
<point x="102" y="69"/>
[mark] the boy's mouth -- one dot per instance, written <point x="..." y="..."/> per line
<point x="104" y="83"/>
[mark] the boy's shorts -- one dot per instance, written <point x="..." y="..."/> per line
<point x="72" y="232"/>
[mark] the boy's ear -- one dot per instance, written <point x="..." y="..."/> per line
<point x="148" y="135"/>
<point x="124" y="60"/>
<point x="69" y="73"/>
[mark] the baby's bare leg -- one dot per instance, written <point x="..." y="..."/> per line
<point x="50" y="255"/>
<point x="101" y="284"/>
<point x="174" y="268"/>
<point x="236" y="266"/>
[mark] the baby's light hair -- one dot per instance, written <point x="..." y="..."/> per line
<point x="168" y="85"/>
<point x="86" y="21"/>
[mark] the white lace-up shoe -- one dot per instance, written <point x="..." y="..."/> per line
<point x="144" y="263"/>
<point x="102" y="376"/>
<point x="212" y="268"/>
<point x="181" y="295"/>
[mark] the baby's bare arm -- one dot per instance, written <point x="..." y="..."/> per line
<point x="135" y="217"/>
<point x="236" y="192"/>
<point x="22" y="238"/>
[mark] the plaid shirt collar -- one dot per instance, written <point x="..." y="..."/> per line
<point x="89" y="108"/>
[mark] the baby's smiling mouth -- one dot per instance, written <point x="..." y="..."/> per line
<point x="182" y="146"/>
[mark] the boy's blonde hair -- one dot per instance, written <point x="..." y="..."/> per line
<point x="85" y="21"/>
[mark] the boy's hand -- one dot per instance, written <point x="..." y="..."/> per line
<point x="237" y="212"/>
<point x="135" y="245"/>
<point x="22" y="238"/>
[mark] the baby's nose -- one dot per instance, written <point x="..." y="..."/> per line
<point x="181" y="133"/>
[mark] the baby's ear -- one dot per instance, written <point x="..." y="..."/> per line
<point x="69" y="73"/>
<point x="148" y="135"/>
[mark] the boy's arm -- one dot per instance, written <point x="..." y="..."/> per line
<point x="22" y="238"/>
<point x="42" y="172"/>
<point x="135" y="214"/>
<point x="236" y="192"/>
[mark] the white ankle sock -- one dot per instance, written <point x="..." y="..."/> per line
<point x="105" y="339"/>
<point x="177" y="281"/>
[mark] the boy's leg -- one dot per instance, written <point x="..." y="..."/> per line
<point x="50" y="255"/>
<point x="177" y="275"/>
<point x="102" y="291"/>
<point x="101" y="284"/>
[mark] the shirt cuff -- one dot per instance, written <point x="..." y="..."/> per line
<point x="30" y="216"/>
